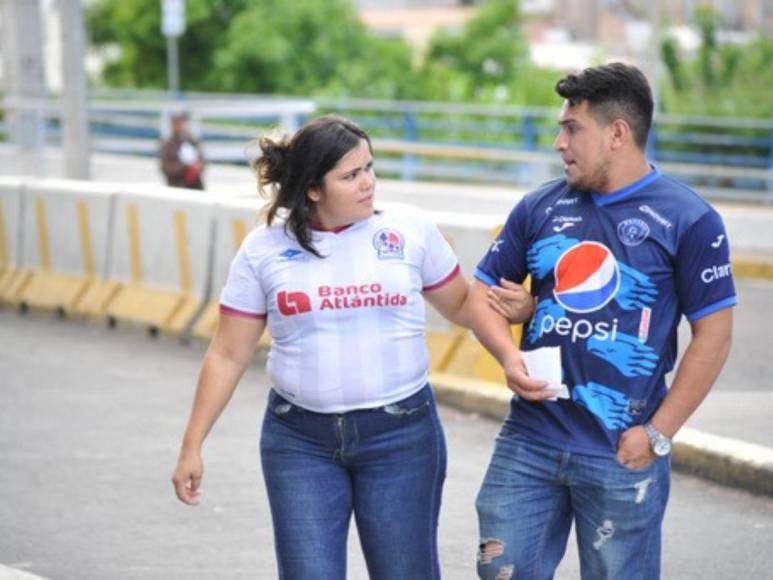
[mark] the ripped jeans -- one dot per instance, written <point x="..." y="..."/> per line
<point x="531" y="494"/>
<point x="385" y="465"/>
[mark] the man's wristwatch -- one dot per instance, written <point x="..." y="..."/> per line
<point x="659" y="443"/>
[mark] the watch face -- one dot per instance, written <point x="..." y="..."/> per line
<point x="661" y="447"/>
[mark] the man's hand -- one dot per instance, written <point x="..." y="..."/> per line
<point x="522" y="384"/>
<point x="192" y="173"/>
<point x="511" y="300"/>
<point x="634" y="451"/>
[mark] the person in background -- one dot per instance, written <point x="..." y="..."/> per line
<point x="617" y="253"/>
<point x="351" y="425"/>
<point x="182" y="160"/>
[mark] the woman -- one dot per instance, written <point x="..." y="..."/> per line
<point x="351" y="424"/>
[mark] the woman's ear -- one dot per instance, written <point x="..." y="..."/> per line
<point x="314" y="194"/>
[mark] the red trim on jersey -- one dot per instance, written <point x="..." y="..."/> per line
<point x="454" y="273"/>
<point x="321" y="228"/>
<point x="240" y="313"/>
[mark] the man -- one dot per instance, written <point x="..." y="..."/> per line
<point x="617" y="253"/>
<point x="182" y="161"/>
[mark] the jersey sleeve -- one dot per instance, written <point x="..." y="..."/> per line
<point x="506" y="257"/>
<point x="243" y="294"/>
<point x="440" y="264"/>
<point x="704" y="276"/>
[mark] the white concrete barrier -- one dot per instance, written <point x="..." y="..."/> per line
<point x="160" y="253"/>
<point x="750" y="229"/>
<point x="10" y="233"/>
<point x="470" y="235"/>
<point x="64" y="243"/>
<point x="169" y="249"/>
<point x="233" y="220"/>
<point x="454" y="350"/>
<point x="447" y="197"/>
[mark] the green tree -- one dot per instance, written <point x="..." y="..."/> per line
<point x="309" y="47"/>
<point x="266" y="46"/>
<point x="669" y="54"/>
<point x="489" y="52"/>
<point x="708" y="20"/>
<point x="721" y="80"/>
<point x="134" y="28"/>
<point x="487" y="61"/>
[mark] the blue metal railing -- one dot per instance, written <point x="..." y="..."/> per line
<point x="131" y="121"/>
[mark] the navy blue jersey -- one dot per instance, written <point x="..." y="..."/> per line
<point x="612" y="274"/>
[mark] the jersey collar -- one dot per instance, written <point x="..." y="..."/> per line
<point x="605" y="199"/>
<point x="338" y="230"/>
<point x="318" y="229"/>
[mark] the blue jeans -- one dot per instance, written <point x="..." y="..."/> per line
<point x="532" y="492"/>
<point x="386" y="465"/>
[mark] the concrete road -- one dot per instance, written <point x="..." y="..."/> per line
<point x="90" y="421"/>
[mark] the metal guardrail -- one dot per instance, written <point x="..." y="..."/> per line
<point x="729" y="159"/>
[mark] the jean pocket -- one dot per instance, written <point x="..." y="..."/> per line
<point x="635" y="470"/>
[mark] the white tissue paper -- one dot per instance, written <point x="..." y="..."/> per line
<point x="545" y="364"/>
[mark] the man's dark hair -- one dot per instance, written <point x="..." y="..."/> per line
<point x="613" y="91"/>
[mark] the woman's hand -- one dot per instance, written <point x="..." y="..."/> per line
<point x="519" y="381"/>
<point x="187" y="477"/>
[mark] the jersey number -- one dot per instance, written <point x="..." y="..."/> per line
<point x="290" y="303"/>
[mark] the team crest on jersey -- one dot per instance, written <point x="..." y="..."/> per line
<point x="389" y="244"/>
<point x="633" y="231"/>
<point x="587" y="277"/>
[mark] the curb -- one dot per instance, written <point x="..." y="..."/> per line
<point x="723" y="460"/>
<point x="760" y="268"/>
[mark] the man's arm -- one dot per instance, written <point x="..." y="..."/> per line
<point x="493" y="331"/>
<point x="700" y="366"/>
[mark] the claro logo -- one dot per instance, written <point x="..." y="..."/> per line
<point x="714" y="273"/>
<point x="290" y="303"/>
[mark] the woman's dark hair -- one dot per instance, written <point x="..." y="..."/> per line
<point x="613" y="91"/>
<point x="294" y="165"/>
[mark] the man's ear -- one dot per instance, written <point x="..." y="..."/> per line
<point x="621" y="133"/>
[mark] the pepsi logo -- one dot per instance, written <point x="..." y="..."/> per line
<point x="587" y="277"/>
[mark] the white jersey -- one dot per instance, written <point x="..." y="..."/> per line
<point x="347" y="329"/>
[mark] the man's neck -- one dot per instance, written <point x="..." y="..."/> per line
<point x="626" y="173"/>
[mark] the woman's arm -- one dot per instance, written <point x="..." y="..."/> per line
<point x="227" y="358"/>
<point x="510" y="300"/>
<point x="449" y="299"/>
<point x="493" y="332"/>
